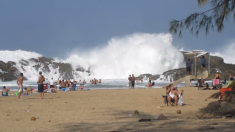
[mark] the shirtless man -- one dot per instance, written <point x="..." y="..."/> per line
<point x="41" y="79"/>
<point x="133" y="81"/>
<point x="20" y="85"/>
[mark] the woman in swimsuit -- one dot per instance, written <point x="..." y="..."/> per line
<point x="173" y="94"/>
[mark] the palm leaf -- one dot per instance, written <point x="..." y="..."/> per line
<point x="201" y="2"/>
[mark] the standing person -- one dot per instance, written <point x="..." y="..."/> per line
<point x="133" y="81"/>
<point x="203" y="62"/>
<point x="230" y="77"/>
<point x="51" y="83"/>
<point x="20" y="85"/>
<point x="41" y="79"/>
<point x="129" y="78"/>
<point x="188" y="66"/>
<point x="150" y="82"/>
<point x="94" y="81"/>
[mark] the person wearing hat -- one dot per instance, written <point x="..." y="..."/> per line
<point x="5" y="91"/>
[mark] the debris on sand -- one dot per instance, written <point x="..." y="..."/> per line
<point x="160" y="117"/>
<point x="33" y="118"/>
<point x="136" y="112"/>
<point x="144" y="120"/>
<point x="178" y="111"/>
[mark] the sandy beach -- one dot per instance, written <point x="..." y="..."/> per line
<point x="108" y="111"/>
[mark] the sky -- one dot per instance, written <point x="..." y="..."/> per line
<point x="53" y="28"/>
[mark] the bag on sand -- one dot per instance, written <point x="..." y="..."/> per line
<point x="180" y="101"/>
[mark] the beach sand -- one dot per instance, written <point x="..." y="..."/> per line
<point x="108" y="111"/>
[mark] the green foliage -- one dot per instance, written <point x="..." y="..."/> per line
<point x="206" y="20"/>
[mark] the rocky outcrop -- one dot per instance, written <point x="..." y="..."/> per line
<point x="217" y="64"/>
<point x="8" y="71"/>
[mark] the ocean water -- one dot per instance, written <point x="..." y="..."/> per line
<point x="106" y="84"/>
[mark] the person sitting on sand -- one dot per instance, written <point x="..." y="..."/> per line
<point x="5" y="91"/>
<point x="173" y="94"/>
<point x="207" y="87"/>
<point x="25" y="91"/>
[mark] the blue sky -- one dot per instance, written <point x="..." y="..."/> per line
<point x="55" y="27"/>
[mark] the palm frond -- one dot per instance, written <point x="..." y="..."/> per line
<point x="201" y="2"/>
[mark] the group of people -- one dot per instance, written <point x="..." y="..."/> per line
<point x="23" y="91"/>
<point x="65" y="83"/>
<point x="132" y="79"/>
<point x="95" y="81"/>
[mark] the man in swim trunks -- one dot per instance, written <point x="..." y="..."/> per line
<point x="203" y="62"/>
<point x="40" y="85"/>
<point x="20" y="85"/>
<point x="188" y="66"/>
<point x="133" y="81"/>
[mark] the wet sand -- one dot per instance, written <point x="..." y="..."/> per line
<point x="108" y="111"/>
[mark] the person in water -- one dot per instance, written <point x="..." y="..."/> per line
<point x="84" y="81"/>
<point x="95" y="81"/>
<point x="20" y="85"/>
<point x="5" y="91"/>
<point x="99" y="80"/>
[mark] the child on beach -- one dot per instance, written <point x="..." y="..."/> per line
<point x="25" y="91"/>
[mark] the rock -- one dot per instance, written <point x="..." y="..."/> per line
<point x="178" y="111"/>
<point x="33" y="118"/>
<point x="136" y="112"/>
<point x="205" y="128"/>
<point x="214" y="123"/>
<point x="160" y="117"/>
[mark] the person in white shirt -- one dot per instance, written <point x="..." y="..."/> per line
<point x="51" y="83"/>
